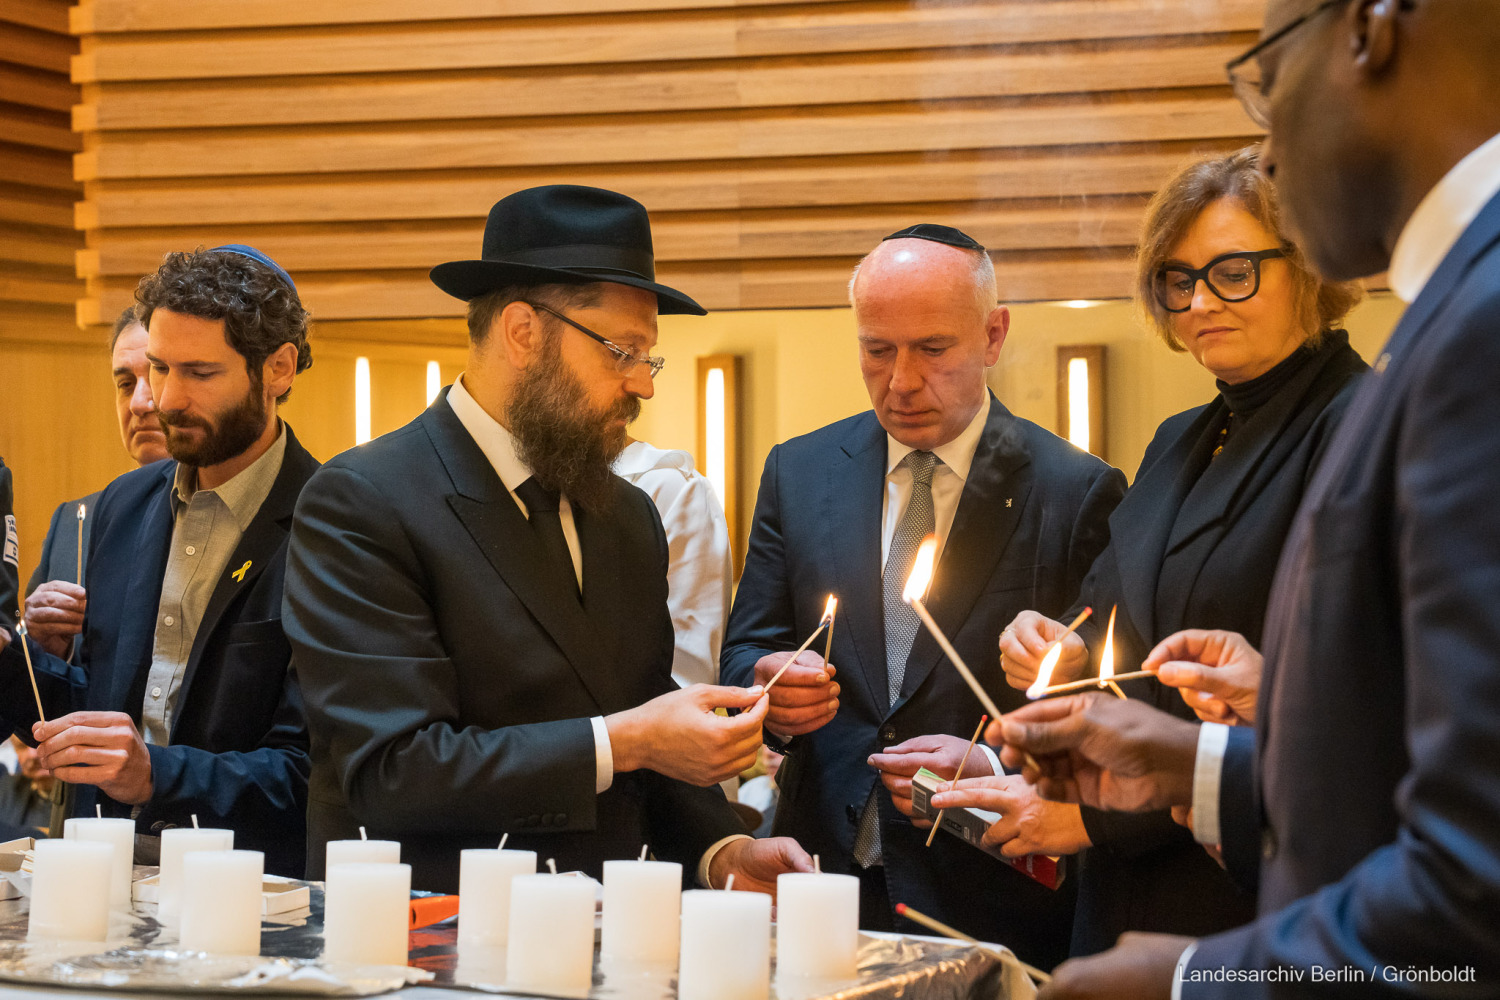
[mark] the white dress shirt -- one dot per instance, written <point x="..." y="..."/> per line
<point x="948" y="477"/>
<point x="500" y="448"/>
<point x="1440" y="219"/>
<point x="700" y="573"/>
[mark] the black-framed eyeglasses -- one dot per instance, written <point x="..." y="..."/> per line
<point x="624" y="360"/>
<point x="1233" y="277"/>
<point x="1244" y="70"/>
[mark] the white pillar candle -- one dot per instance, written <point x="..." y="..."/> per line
<point x="550" y="947"/>
<point x="70" y="890"/>
<point x="119" y="833"/>
<point x="221" y="901"/>
<point x="817" y="925"/>
<point x="367" y="913"/>
<point x="726" y="945"/>
<point x="484" y="876"/>
<point x="642" y="903"/>
<point x="174" y="844"/>
<point x="350" y="852"/>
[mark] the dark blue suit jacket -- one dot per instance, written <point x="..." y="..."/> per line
<point x="60" y="551"/>
<point x="1032" y="517"/>
<point x="238" y="754"/>
<point x="1379" y="718"/>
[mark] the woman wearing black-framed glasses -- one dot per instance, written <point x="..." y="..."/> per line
<point x="1194" y="544"/>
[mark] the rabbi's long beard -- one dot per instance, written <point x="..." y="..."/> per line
<point x="568" y="445"/>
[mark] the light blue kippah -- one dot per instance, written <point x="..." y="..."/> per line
<point x="256" y="255"/>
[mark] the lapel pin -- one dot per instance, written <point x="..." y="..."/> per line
<point x="239" y="574"/>
<point x="1007" y="501"/>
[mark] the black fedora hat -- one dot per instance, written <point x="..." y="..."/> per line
<point x="563" y="233"/>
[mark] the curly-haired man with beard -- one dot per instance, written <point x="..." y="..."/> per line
<point x="181" y="704"/>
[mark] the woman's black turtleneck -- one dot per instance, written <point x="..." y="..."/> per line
<point x="1247" y="397"/>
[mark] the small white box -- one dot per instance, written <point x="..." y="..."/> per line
<point x="278" y="894"/>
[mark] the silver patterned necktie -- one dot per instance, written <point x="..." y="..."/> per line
<point x="901" y="623"/>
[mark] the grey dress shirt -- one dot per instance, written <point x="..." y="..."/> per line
<point x="206" y="528"/>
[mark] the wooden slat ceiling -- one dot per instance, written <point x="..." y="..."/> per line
<point x="773" y="142"/>
<point x="37" y="241"/>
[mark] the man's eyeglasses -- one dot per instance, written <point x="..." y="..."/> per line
<point x="1233" y="277"/>
<point x="624" y="360"/>
<point x="1244" y="71"/>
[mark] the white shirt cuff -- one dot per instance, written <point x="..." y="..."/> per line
<point x="1187" y="956"/>
<point x="604" y="757"/>
<point x="995" y="767"/>
<point x="710" y="854"/>
<point x="1208" y="774"/>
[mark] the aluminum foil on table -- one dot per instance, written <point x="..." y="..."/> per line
<point x="141" y="955"/>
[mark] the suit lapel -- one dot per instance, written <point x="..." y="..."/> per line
<point x="851" y="505"/>
<point x="503" y="535"/>
<point x="1250" y="459"/>
<point x="982" y="528"/>
<point x="256" y="549"/>
<point x="137" y="640"/>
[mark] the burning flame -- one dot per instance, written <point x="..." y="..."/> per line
<point x="921" y="571"/>
<point x="828" y="609"/>
<point x="1044" y="672"/>
<point x="82" y="511"/>
<point x="1107" y="658"/>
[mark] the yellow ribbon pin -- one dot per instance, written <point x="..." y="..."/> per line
<point x="239" y="574"/>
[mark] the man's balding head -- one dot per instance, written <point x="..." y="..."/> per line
<point x="928" y="325"/>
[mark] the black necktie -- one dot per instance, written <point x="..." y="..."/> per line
<point x="542" y="507"/>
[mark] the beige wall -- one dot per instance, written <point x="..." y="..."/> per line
<point x="801" y="373"/>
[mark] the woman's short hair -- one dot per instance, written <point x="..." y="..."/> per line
<point x="1321" y="304"/>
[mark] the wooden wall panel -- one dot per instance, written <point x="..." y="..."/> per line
<point x="773" y="142"/>
<point x="40" y="346"/>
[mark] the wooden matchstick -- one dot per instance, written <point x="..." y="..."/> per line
<point x="828" y="645"/>
<point x="793" y="659"/>
<point x="21" y="631"/>
<point x="1093" y="682"/>
<point x="958" y="774"/>
<point x="958" y="661"/>
<point x="949" y="932"/>
<point x="82" y="513"/>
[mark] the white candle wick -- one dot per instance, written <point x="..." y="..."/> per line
<point x="729" y="882"/>
<point x="643" y="852"/>
<point x="195" y="821"/>
<point x="362" y="834"/>
<point x="503" y="838"/>
<point x="552" y="865"/>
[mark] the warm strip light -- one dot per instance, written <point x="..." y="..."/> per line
<point x="434" y="381"/>
<point x="361" y="400"/>
<point x="1078" y="402"/>
<point x="716" y="445"/>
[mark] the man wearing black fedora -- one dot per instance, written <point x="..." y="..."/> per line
<point x="478" y="606"/>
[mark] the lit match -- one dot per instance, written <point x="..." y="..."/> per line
<point x="916" y="588"/>
<point x="1107" y="677"/>
<point x="827" y="620"/>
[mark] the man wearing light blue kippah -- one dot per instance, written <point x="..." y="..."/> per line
<point x="180" y="706"/>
